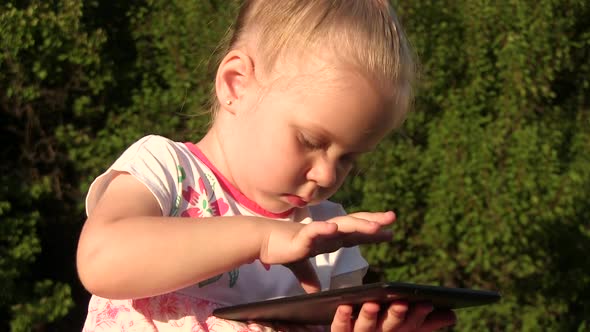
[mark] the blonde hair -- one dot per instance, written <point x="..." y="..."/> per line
<point x="364" y="33"/>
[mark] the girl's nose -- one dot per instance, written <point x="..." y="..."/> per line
<point x="323" y="172"/>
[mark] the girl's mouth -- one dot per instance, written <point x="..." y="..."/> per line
<point x="296" y="200"/>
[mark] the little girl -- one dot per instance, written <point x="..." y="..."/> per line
<point x="175" y="230"/>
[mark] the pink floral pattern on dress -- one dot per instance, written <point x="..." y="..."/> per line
<point x="109" y="315"/>
<point x="219" y="207"/>
<point x="166" y="313"/>
<point x="201" y="205"/>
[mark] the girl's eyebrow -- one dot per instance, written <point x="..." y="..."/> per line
<point x="326" y="135"/>
<point x="322" y="132"/>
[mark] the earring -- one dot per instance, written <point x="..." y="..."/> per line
<point x="228" y="102"/>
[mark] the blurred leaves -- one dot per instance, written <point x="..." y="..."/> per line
<point x="493" y="193"/>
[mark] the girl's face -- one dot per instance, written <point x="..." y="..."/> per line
<point x="292" y="142"/>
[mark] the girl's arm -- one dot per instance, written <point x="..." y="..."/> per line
<point x="127" y="249"/>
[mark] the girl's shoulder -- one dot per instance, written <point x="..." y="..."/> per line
<point x="154" y="142"/>
<point x="159" y="153"/>
<point x="159" y="163"/>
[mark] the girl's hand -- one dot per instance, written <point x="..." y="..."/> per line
<point x="292" y="243"/>
<point x="285" y="242"/>
<point x="399" y="317"/>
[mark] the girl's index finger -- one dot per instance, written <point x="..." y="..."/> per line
<point x="354" y="224"/>
<point x="305" y="273"/>
<point x="343" y="318"/>
<point x="383" y="218"/>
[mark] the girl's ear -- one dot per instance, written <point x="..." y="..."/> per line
<point x="235" y="72"/>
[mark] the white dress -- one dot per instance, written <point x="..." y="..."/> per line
<point x="186" y="184"/>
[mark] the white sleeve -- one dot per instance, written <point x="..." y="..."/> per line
<point x="348" y="265"/>
<point x="153" y="160"/>
<point x="350" y="269"/>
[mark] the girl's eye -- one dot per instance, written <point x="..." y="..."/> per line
<point x="349" y="159"/>
<point x="310" y="143"/>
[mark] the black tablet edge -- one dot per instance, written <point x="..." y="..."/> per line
<point x="491" y="296"/>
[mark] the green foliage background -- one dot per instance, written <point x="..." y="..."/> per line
<point x="490" y="176"/>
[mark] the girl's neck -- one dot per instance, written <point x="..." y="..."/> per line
<point x="210" y="146"/>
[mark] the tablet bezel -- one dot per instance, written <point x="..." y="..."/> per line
<point x="319" y="308"/>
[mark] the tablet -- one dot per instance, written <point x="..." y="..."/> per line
<point x="319" y="308"/>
